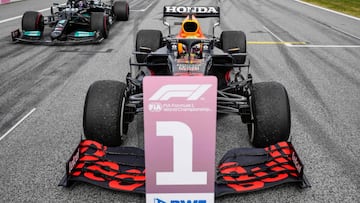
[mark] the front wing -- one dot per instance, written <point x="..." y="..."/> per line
<point x="18" y="37"/>
<point x="240" y="170"/>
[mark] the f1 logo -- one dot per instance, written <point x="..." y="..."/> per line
<point x="190" y="92"/>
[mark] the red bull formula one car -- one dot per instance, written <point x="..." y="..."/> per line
<point x="77" y="22"/>
<point x="264" y="107"/>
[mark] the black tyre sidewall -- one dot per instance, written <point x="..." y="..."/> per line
<point x="121" y="10"/>
<point x="234" y="39"/>
<point x="32" y="21"/>
<point x="147" y="38"/>
<point x="271" y="113"/>
<point x="99" y="22"/>
<point x="102" y="112"/>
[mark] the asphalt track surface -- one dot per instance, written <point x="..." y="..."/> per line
<point x="312" y="52"/>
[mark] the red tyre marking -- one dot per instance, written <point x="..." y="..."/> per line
<point x="37" y="22"/>
<point x="105" y="25"/>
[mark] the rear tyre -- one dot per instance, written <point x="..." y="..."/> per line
<point x="99" y="23"/>
<point x="121" y="10"/>
<point x="32" y="21"/>
<point x="270" y="111"/>
<point x="234" y="40"/>
<point x="151" y="39"/>
<point x="103" y="118"/>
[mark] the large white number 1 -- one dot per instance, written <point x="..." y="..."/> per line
<point x="182" y="173"/>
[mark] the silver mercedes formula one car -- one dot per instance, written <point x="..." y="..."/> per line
<point x="76" y="22"/>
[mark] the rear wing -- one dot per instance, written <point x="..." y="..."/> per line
<point x="197" y="11"/>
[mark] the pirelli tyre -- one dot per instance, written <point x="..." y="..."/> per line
<point x="121" y="10"/>
<point x="147" y="39"/>
<point x="103" y="118"/>
<point x="270" y="111"/>
<point x="234" y="42"/>
<point x="99" y="22"/>
<point x="32" y="21"/>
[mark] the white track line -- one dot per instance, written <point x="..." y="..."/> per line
<point x="273" y="34"/>
<point x="18" y="17"/>
<point x="332" y="11"/>
<point x="277" y="37"/>
<point x="322" y="46"/>
<point x="18" y="123"/>
<point x="10" y="19"/>
<point x="289" y="44"/>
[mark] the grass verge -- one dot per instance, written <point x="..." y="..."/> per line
<point x="350" y="7"/>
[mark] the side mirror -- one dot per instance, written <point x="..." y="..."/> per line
<point x="214" y="26"/>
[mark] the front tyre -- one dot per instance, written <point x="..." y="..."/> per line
<point x="99" y="23"/>
<point x="32" y="21"/>
<point x="103" y="118"/>
<point x="121" y="10"/>
<point x="270" y="110"/>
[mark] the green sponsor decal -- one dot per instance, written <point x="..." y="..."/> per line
<point x="32" y="33"/>
<point x="84" y="34"/>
